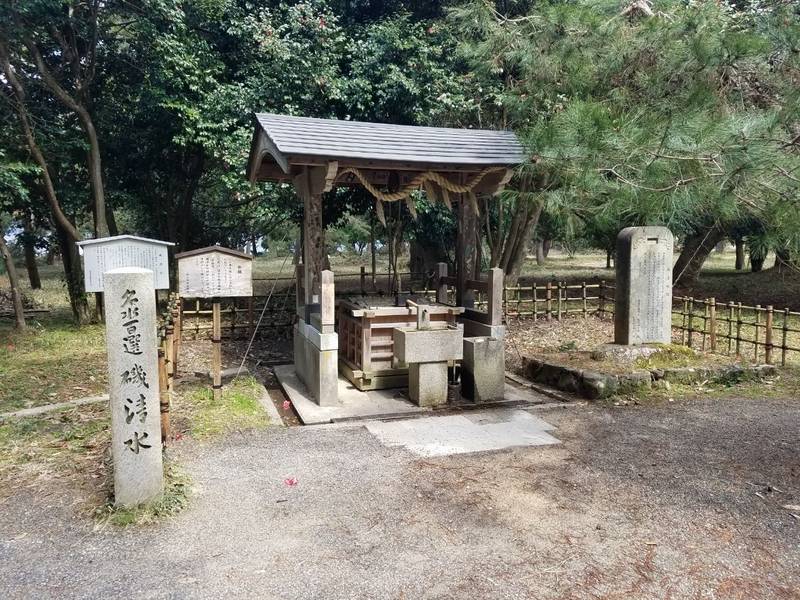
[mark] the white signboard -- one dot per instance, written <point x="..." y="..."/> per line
<point x="104" y="254"/>
<point x="214" y="272"/>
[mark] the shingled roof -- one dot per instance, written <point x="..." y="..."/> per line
<point x="307" y="141"/>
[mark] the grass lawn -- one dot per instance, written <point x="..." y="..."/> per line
<point x="53" y="361"/>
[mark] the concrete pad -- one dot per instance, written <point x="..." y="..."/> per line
<point x="354" y="404"/>
<point x="465" y="433"/>
<point x="351" y="403"/>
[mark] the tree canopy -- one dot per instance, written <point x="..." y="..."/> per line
<point x="135" y="116"/>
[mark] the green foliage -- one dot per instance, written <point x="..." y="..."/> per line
<point x="675" y="118"/>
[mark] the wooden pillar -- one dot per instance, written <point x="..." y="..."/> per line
<point x="466" y="248"/>
<point x="216" y="342"/>
<point x="300" y="302"/>
<point x="310" y="184"/>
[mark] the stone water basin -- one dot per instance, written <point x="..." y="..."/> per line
<point x="430" y="345"/>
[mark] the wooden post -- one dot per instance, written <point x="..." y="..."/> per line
<point x="196" y="318"/>
<point x="785" y="336"/>
<point x="466" y="247"/>
<point x="216" y="342"/>
<point x="739" y="330"/>
<point x="300" y="294"/>
<point x="684" y="317"/>
<point x="250" y="318"/>
<point x="705" y="326"/>
<point x="440" y="284"/>
<point x="163" y="394"/>
<point x="559" y="290"/>
<point x="731" y="313"/>
<point x="757" y="325"/>
<point x="363" y="279"/>
<point x="691" y="322"/>
<point x="534" y="299"/>
<point x="169" y="350"/>
<point x="768" y="336"/>
<point x="583" y="295"/>
<point x="601" y="299"/>
<point x="712" y="309"/>
<point x="548" y="300"/>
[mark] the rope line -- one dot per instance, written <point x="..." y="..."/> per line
<point x="420" y="179"/>
<point x="263" y="310"/>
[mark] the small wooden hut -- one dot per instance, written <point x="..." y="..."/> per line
<point x="453" y="166"/>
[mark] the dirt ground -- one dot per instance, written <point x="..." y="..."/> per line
<point x="677" y="500"/>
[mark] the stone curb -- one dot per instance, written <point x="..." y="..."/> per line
<point x="595" y="385"/>
<point x="266" y="402"/>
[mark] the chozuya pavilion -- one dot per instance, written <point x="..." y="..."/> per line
<point x="392" y="346"/>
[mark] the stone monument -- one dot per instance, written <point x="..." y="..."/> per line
<point x="132" y="347"/>
<point x="643" y="298"/>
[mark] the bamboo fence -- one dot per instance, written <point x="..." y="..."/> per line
<point x="757" y="333"/>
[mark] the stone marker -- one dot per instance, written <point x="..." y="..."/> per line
<point x="132" y="347"/>
<point x="643" y="298"/>
<point x="483" y="374"/>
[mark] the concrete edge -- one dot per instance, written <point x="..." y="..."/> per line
<point x="265" y="401"/>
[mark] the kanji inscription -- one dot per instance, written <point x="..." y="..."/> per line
<point x="643" y="296"/>
<point x="133" y="365"/>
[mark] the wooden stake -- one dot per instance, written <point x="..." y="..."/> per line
<point x="601" y="300"/>
<point x="163" y="394"/>
<point x="216" y="357"/>
<point x="712" y="309"/>
<point x="768" y="336"/>
<point x="784" y="336"/>
<point x="583" y="296"/>
<point x="757" y="325"/>
<point x="731" y="312"/>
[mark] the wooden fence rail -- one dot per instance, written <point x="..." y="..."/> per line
<point x="760" y="333"/>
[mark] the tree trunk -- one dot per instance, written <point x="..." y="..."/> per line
<point x="739" y="253"/>
<point x="51" y="255"/>
<point x="16" y="294"/>
<point x="783" y="260"/>
<point x="696" y="248"/>
<point x="540" y="253"/>
<point x="609" y="258"/>
<point x="546" y="245"/>
<point x="73" y="273"/>
<point x="29" y="243"/>
<point x="517" y="258"/>
<point x="756" y="264"/>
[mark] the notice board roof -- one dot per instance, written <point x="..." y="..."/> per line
<point x="208" y="249"/>
<point x="105" y="240"/>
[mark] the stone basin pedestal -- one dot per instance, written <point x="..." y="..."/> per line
<point x="427" y="353"/>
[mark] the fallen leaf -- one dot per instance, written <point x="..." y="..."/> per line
<point x="286" y="405"/>
<point x="290" y="481"/>
<point x="792" y="507"/>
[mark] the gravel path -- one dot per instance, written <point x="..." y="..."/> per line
<point x="675" y="501"/>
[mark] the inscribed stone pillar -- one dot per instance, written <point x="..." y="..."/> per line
<point x="131" y="341"/>
<point x="643" y="297"/>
